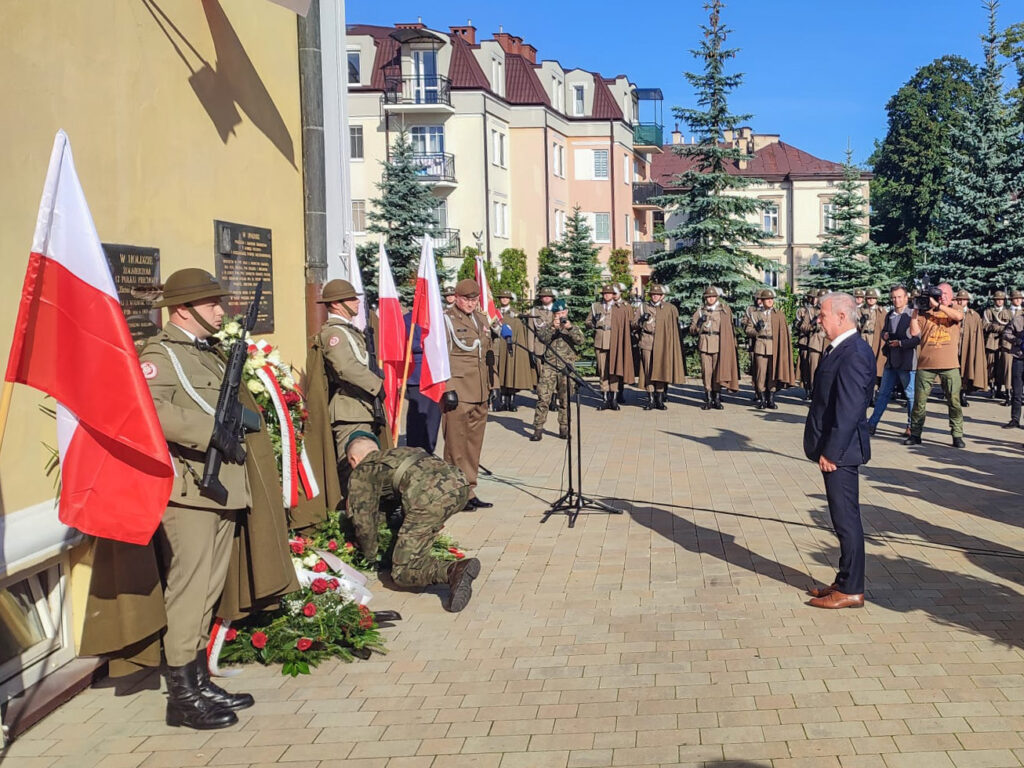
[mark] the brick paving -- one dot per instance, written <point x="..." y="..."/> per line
<point x="674" y="634"/>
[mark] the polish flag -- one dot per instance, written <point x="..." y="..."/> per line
<point x="486" y="300"/>
<point x="429" y="316"/>
<point x="356" y="278"/>
<point x="71" y="341"/>
<point x="391" y="336"/>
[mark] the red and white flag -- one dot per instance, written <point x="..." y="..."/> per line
<point x="391" y="336"/>
<point x="356" y="278"/>
<point x="486" y="299"/>
<point x="427" y="313"/>
<point x="71" y="341"/>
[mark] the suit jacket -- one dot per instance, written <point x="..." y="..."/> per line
<point x="899" y="358"/>
<point x="837" y="427"/>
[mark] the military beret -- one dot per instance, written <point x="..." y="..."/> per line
<point x="859" y="293"/>
<point x="558" y="305"/>
<point x="467" y="288"/>
<point x="872" y="293"/>
<point x="999" y="295"/>
<point x="657" y="288"/>
<point x="188" y="285"/>
<point x="338" y="290"/>
<point x="962" y="294"/>
<point x="766" y="293"/>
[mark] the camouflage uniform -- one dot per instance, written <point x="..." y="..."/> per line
<point x="429" y="491"/>
<point x="565" y="343"/>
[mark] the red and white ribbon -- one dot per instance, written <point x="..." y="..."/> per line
<point x="213" y="648"/>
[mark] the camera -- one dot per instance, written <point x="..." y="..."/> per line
<point x="563" y="320"/>
<point x="923" y="302"/>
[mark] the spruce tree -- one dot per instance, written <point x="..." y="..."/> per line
<point x="716" y="226"/>
<point x="467" y="269"/>
<point x="845" y="248"/>
<point x="979" y="222"/>
<point x="551" y="271"/>
<point x="368" y="257"/>
<point x="404" y="214"/>
<point x="577" y="255"/>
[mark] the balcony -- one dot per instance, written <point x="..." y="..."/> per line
<point x="417" y="94"/>
<point x="645" y="194"/>
<point x="436" y="168"/>
<point x="643" y="251"/>
<point x="647" y="137"/>
<point x="446" y="242"/>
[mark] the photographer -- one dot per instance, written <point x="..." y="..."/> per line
<point x="898" y="345"/>
<point x="938" y="356"/>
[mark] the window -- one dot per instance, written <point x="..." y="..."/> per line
<point x="625" y="169"/>
<point x="439" y="216"/>
<point x="602" y="227"/>
<point x="358" y="216"/>
<point x="425" y="81"/>
<point x="498" y="148"/>
<point x="600" y="163"/>
<point x="500" y="220"/>
<point x="498" y="76"/>
<point x="828" y="219"/>
<point x="637" y="229"/>
<point x="771" y="277"/>
<point x="770" y="220"/>
<point x="558" y="93"/>
<point x="353" y="67"/>
<point x="32" y="622"/>
<point x="427" y="139"/>
<point x="627" y="229"/>
<point x="558" y="160"/>
<point x="559" y="224"/>
<point x="578" y="106"/>
<point x="637" y="172"/>
<point x="355" y="136"/>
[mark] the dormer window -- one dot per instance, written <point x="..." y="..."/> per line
<point x="578" y="105"/>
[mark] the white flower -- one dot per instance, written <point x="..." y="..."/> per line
<point x="287" y="382"/>
<point x="255" y="386"/>
<point x="232" y="328"/>
<point x="274" y="358"/>
<point x="310" y="560"/>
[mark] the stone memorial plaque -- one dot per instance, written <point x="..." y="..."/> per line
<point x="135" y="267"/>
<point x="244" y="257"/>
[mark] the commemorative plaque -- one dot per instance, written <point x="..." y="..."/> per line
<point x="137" y="269"/>
<point x="244" y="257"/>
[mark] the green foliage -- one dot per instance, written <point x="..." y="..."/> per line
<point x="550" y="270"/>
<point x="403" y="213"/>
<point x="621" y="266"/>
<point x="716" y="227"/>
<point x="910" y="164"/>
<point x="467" y="270"/>
<point x="513" y="276"/>
<point x="366" y="255"/>
<point x="577" y="259"/>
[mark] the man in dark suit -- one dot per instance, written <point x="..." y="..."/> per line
<point x="899" y="348"/>
<point x="836" y="436"/>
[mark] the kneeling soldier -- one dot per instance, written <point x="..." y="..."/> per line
<point x="563" y="338"/>
<point x="429" y="491"/>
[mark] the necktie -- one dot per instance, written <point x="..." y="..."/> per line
<point x="827" y="352"/>
<point x="203" y="345"/>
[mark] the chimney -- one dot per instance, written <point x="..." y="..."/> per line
<point x="467" y="33"/>
<point x="514" y="45"/>
<point x="411" y="25"/>
<point x="529" y="53"/>
<point x="677" y="137"/>
<point x="745" y="143"/>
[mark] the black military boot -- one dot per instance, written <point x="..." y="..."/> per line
<point x="659" y="401"/>
<point x="213" y="692"/>
<point x="510" y="402"/>
<point x="649" y="401"/>
<point x="538" y="433"/>
<point x="613" y="401"/>
<point x="1012" y="423"/>
<point x="758" y="401"/>
<point x="963" y="400"/>
<point x="496" y="404"/>
<point x="620" y="397"/>
<point x="1006" y="399"/>
<point x="460" y="583"/>
<point x="603" y="405"/>
<point x="769" y="401"/>
<point x="707" y="401"/>
<point x="716" y="400"/>
<point x="187" y="706"/>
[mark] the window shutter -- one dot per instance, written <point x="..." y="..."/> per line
<point x="600" y="163"/>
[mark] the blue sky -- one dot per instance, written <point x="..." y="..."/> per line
<point x="819" y="73"/>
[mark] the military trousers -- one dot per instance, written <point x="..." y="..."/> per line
<point x="342" y="431"/>
<point x="1005" y="373"/>
<point x="463" y="430"/>
<point x="708" y="368"/>
<point x="813" y="358"/>
<point x="194" y="547"/>
<point x="763" y="366"/>
<point x="950" y="380"/>
<point x="647" y="360"/>
<point x="412" y="565"/>
<point x="609" y="382"/>
<point x="550" y="382"/>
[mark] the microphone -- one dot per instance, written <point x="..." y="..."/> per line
<point x="506" y="334"/>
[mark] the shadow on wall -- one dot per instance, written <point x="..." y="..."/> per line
<point x="232" y="84"/>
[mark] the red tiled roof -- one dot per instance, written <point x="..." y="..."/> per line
<point x="522" y="86"/>
<point x="464" y="70"/>
<point x="774" y="162"/>
<point x="387" y="63"/>
<point x="605" y="107"/>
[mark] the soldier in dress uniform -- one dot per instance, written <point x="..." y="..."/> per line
<point x="622" y="302"/>
<point x="807" y="309"/>
<point x="973" y="365"/>
<point x="870" y="320"/>
<point x="195" y="537"/>
<point x="772" y="352"/>
<point x="996" y="318"/>
<point x="613" y="347"/>
<point x="661" y="356"/>
<point x="858" y="299"/>
<point x="563" y="340"/>
<point x="428" y="491"/>
<point x="448" y="293"/>
<point x="464" y="403"/>
<point x="716" y="343"/>
<point x="536" y="318"/>
<point x="816" y="340"/>
<point x="515" y="369"/>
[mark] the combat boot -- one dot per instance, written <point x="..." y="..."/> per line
<point x="187" y="706"/>
<point x="460" y="583"/>
<point x="613" y="401"/>
<point x="538" y="433"/>
<point x="769" y="401"/>
<point x="659" y="401"/>
<point x="563" y="432"/>
<point x="649" y="401"/>
<point x="759" y="401"/>
<point x="510" y="403"/>
<point x="496" y="404"/>
<point x="716" y="400"/>
<point x="707" y="401"/>
<point x="213" y="692"/>
<point x="603" y="405"/>
<point x="620" y="397"/>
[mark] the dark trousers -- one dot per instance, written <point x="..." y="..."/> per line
<point x="842" y="492"/>
<point x="1017" y="387"/>
<point x="422" y="420"/>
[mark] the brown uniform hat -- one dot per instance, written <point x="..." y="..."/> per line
<point x="504" y="295"/>
<point x="189" y="285"/>
<point x="962" y="294"/>
<point x="546" y="292"/>
<point x="448" y="290"/>
<point x="999" y="295"/>
<point x="766" y="293"/>
<point x="859" y="293"/>
<point x="872" y="293"/>
<point x="467" y="288"/>
<point x="710" y="291"/>
<point x="1015" y="294"/>
<point x="607" y="289"/>
<point x="657" y="288"/>
<point x="337" y="290"/>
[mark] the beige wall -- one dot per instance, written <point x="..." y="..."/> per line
<point x="157" y="166"/>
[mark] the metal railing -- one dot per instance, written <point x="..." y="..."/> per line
<point x="645" y="191"/>
<point x="643" y="251"/>
<point x="648" y="134"/>
<point x="446" y="240"/>
<point x="426" y="89"/>
<point x="434" y="166"/>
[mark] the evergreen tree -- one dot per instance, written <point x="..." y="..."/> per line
<point x="513" y="275"/>
<point x="467" y="270"/>
<point x="845" y="248"/>
<point x="577" y="255"/>
<point x="367" y="256"/>
<point x="551" y="271"/>
<point x="979" y="223"/>
<point x="404" y="213"/>
<point x="716" y="227"/>
<point x="620" y="267"/>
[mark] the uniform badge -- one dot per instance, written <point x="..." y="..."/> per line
<point x="148" y="370"/>
<point x="335" y="341"/>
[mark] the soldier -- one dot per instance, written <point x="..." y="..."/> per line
<point x="611" y="325"/>
<point x="623" y="303"/>
<point x="464" y="404"/>
<point x="996" y="318"/>
<point x="716" y="344"/>
<point x="1014" y="336"/>
<point x="563" y="340"/>
<point x="355" y="392"/>
<point x="429" y="491"/>
<point x="1016" y="300"/>
<point x="858" y="299"/>
<point x="772" y="350"/>
<point x="537" y="317"/>
<point x="194" y="540"/>
<point x="515" y="370"/>
<point x="816" y="340"/>
<point x="869" y="324"/>
<point x="448" y="293"/>
<point x="973" y="368"/>
<point x="803" y="339"/>
<point x="661" y="357"/>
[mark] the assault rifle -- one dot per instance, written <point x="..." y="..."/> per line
<point x="232" y="420"/>
<point x="380" y="419"/>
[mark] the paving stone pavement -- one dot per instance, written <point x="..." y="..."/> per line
<point x="674" y="634"/>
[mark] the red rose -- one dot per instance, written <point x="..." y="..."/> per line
<point x="332" y="545"/>
<point x="319" y="586"/>
<point x="253" y="349"/>
<point x="303" y="643"/>
<point x="349" y="546"/>
<point x="365" y="618"/>
<point x="230" y="635"/>
<point x="459" y="554"/>
<point x="292" y="398"/>
<point x="320" y="567"/>
<point x="268" y="349"/>
<point x="333" y="583"/>
<point x="309" y="609"/>
<point x="298" y="546"/>
<point x="259" y="640"/>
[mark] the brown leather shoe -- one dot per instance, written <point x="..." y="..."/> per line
<point x="837" y="599"/>
<point x="821" y="591"/>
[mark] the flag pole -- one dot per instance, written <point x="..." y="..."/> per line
<point x="5" y="407"/>
<point x="405" y="380"/>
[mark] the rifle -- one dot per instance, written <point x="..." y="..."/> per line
<point x="380" y="418"/>
<point x="232" y="420"/>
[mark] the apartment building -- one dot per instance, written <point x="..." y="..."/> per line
<point x="797" y="186"/>
<point x="508" y="143"/>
